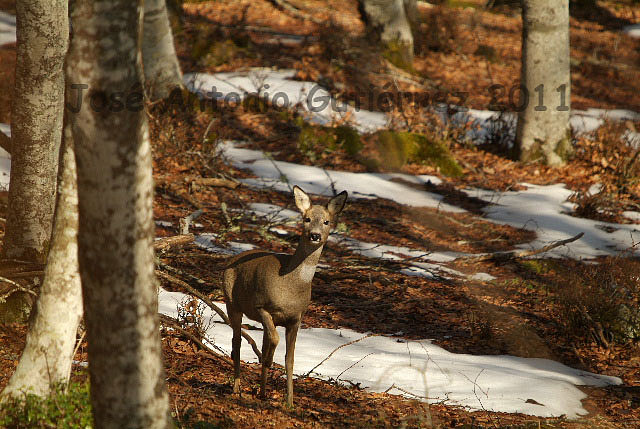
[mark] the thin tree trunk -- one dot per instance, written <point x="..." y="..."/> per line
<point x="36" y="126"/>
<point x="543" y="131"/>
<point x="115" y="240"/>
<point x="46" y="359"/>
<point x="391" y="22"/>
<point x="161" y="69"/>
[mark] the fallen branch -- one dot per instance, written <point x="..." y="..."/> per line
<point x="212" y="181"/>
<point x="170" y="321"/>
<point x="211" y="305"/>
<point x="331" y="354"/>
<point x="17" y="287"/>
<point x="166" y="243"/>
<point x="288" y="7"/>
<point x="505" y="256"/>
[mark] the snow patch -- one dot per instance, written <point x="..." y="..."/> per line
<point x="279" y="88"/>
<point x="282" y="175"/>
<point x="632" y="30"/>
<point x="507" y="384"/>
<point x="5" y="157"/>
<point x="7" y="28"/>
<point x="206" y="241"/>
<point x="544" y="209"/>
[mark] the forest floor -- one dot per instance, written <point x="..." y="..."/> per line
<point x="525" y="311"/>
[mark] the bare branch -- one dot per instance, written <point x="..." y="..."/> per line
<point x="211" y="305"/>
<point x="505" y="256"/>
<point x="292" y="10"/>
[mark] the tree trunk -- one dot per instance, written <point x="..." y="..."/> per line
<point x="115" y="190"/>
<point x="390" y="22"/>
<point x="543" y="130"/>
<point x="46" y="359"/>
<point x="36" y="127"/>
<point x="161" y="69"/>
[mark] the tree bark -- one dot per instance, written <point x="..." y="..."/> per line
<point x="47" y="356"/>
<point x="161" y="68"/>
<point x="115" y="240"/>
<point x="543" y="130"/>
<point x="390" y="22"/>
<point x="36" y="127"/>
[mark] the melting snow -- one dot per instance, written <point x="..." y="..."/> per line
<point x="508" y="384"/>
<point x="280" y="175"/>
<point x="544" y="209"/>
<point x="7" y="28"/>
<point x="5" y="158"/>
<point x="632" y="30"/>
<point x="278" y="87"/>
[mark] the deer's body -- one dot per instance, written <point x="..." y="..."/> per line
<point x="275" y="289"/>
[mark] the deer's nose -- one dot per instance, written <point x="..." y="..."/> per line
<point x="314" y="236"/>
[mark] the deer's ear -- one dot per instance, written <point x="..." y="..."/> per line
<point x="302" y="199"/>
<point x="336" y="204"/>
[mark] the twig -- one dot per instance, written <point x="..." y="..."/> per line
<point x="176" y="325"/>
<point x="211" y="305"/>
<point x="353" y="364"/>
<point x="331" y="354"/>
<point x="505" y="256"/>
<point x="75" y="350"/>
<point x="283" y="4"/>
<point x="16" y="286"/>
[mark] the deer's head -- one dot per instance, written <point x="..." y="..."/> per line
<point x="318" y="220"/>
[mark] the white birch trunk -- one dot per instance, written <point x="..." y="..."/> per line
<point x="391" y="22"/>
<point x="161" y="69"/>
<point x="46" y="359"/>
<point x="543" y="130"/>
<point x="36" y="126"/>
<point x="115" y="239"/>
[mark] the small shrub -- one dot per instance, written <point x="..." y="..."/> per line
<point x="602" y="301"/>
<point x="65" y="408"/>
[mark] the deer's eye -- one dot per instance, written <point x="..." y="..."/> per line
<point x="307" y="219"/>
<point x="326" y="222"/>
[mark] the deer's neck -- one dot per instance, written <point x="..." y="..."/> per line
<point x="304" y="260"/>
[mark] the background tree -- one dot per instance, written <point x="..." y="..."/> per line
<point x="36" y="127"/>
<point x="115" y="190"/>
<point x="161" y="68"/>
<point x="543" y="130"/>
<point x="48" y="353"/>
<point x="390" y="22"/>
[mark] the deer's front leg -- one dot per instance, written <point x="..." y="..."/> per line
<point x="270" y="340"/>
<point x="292" y="334"/>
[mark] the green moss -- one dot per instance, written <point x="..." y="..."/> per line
<point x="65" y="408"/>
<point x="398" y="148"/>
<point x="563" y="148"/>
<point x="315" y="139"/>
<point x="348" y="139"/>
<point x="400" y="55"/>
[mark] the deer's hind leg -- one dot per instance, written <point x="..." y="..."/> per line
<point x="270" y="340"/>
<point x="235" y="317"/>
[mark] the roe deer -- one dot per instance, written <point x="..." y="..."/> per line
<point x="275" y="289"/>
